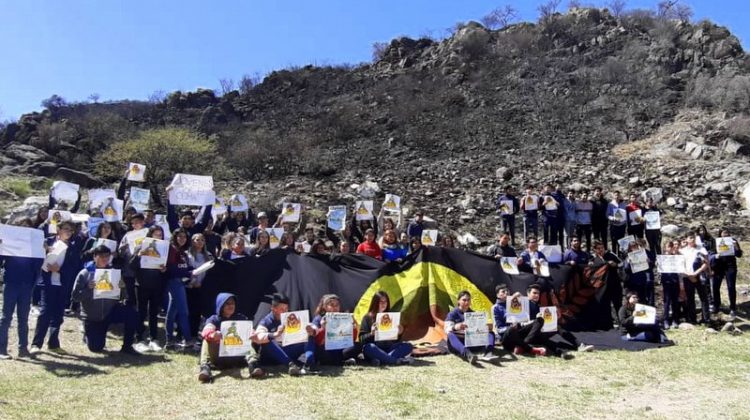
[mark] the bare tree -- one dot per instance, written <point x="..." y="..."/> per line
<point x="157" y="96"/>
<point x="500" y="17"/>
<point x="674" y="9"/>
<point x="246" y="84"/>
<point x="547" y="9"/>
<point x="227" y="85"/>
<point x="94" y="97"/>
<point x="616" y="8"/>
<point x="575" y="4"/>
<point x="378" y="50"/>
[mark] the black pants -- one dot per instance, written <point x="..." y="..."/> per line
<point x="130" y="293"/>
<point x="194" y="309"/>
<point x="616" y="233"/>
<point x="584" y="231"/>
<point x="636" y="230"/>
<point x="653" y="237"/>
<point x="690" y="289"/>
<point x="600" y="232"/>
<point x="149" y="302"/>
<point x="509" y="225"/>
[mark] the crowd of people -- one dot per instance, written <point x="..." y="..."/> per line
<point x="197" y="237"/>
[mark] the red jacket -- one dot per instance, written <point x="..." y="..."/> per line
<point x="371" y="249"/>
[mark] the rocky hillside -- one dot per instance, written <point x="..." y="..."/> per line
<point x="630" y="103"/>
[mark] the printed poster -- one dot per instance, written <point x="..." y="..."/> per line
<point x="290" y="212"/>
<point x="549" y="315"/>
<point x="363" y="210"/>
<point x="644" y="315"/>
<point x="161" y="220"/>
<point x="109" y="243"/>
<point x="93" y="224"/>
<point x="98" y="196"/>
<point x="670" y="263"/>
<point x="337" y="218"/>
<point x="653" y="220"/>
<point x="619" y="216"/>
<point x="725" y="246"/>
<point x="111" y="210"/>
<point x="549" y="203"/>
<point x="392" y="204"/>
<point x="107" y="284"/>
<point x="136" y="172"/>
<point x="238" y="202"/>
<point x="429" y="237"/>
<point x="303" y="247"/>
<point x="235" y="338"/>
<point x="140" y="198"/>
<point x="387" y="323"/>
<point x="638" y="261"/>
<point x="55" y="217"/>
<point x="339" y="331"/>
<point x="154" y="253"/>
<point x="295" y="327"/>
<point x="55" y="256"/>
<point x="553" y="253"/>
<point x="134" y="238"/>
<point x="477" y="331"/>
<point x="65" y="193"/>
<point x="274" y="237"/>
<point x="531" y="202"/>
<point x="625" y="242"/>
<point x="506" y="207"/>
<point x="218" y="208"/>
<point x="509" y="265"/>
<point x="636" y="217"/>
<point x="192" y="190"/>
<point x="16" y="241"/>
<point x="517" y="309"/>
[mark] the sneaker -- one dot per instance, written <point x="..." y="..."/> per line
<point x="518" y="351"/>
<point x="294" y="370"/>
<point x="204" y="376"/>
<point x="538" y="351"/>
<point x="142" y="347"/>
<point x="675" y="326"/>
<point x="5" y="356"/>
<point x="489" y="357"/>
<point x="732" y="315"/>
<point x="566" y="355"/>
<point x="24" y="352"/>
<point x="471" y="357"/>
<point x="728" y="327"/>
<point x="309" y="369"/>
<point x="255" y="371"/>
<point x="35" y="311"/>
<point x="586" y="348"/>
<point x="170" y="345"/>
<point x="154" y="346"/>
<point x="130" y="351"/>
<point x="350" y="362"/>
<point x="34" y="350"/>
<point x="375" y="363"/>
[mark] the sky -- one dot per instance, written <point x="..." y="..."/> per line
<point x="131" y="49"/>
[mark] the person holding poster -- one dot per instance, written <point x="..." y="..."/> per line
<point x="502" y="248"/>
<point x="617" y="216"/>
<point x="103" y="231"/>
<point x="197" y="256"/>
<point x="370" y="247"/>
<point x="151" y="284"/>
<point x="348" y="357"/>
<point x="613" y="290"/>
<point x="253" y="234"/>
<point x="554" y="219"/>
<point x="640" y="279"/>
<point x="20" y="275"/>
<point x="416" y="227"/>
<point x="187" y="219"/>
<point x="653" y="232"/>
<point x="211" y="333"/>
<point x="235" y="247"/>
<point x="392" y="249"/>
<point x="271" y="333"/>
<point x="508" y="206"/>
<point x="386" y="223"/>
<point x="393" y="352"/>
<point x="636" y="222"/>
<point x="696" y="280"/>
<point x="670" y="283"/>
<point x="99" y="314"/>
<point x="455" y="327"/>
<point x="125" y="252"/>
<point x="499" y="310"/>
<point x="599" y="221"/>
<point x="726" y="266"/>
<point x="179" y="274"/>
<point x="530" y="204"/>
<point x="531" y="258"/>
<point x="637" y="332"/>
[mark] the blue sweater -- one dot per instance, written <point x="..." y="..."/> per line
<point x="498" y="315"/>
<point x="394" y="253"/>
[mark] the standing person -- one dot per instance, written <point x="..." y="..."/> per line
<point x="726" y="266"/>
<point x="382" y="352"/>
<point x="570" y="205"/>
<point x="653" y="236"/>
<point x="531" y="258"/>
<point x="262" y="246"/>
<point x="20" y="275"/>
<point x="636" y="223"/>
<point x="696" y="281"/>
<point x="612" y="298"/>
<point x="416" y="227"/>
<point x="393" y="250"/>
<point x="262" y="226"/>
<point x="197" y="256"/>
<point x="670" y="283"/>
<point x="530" y="204"/>
<point x="617" y="220"/>
<point x="508" y="215"/>
<point x="575" y="256"/>
<point x="137" y="222"/>
<point x="599" y="220"/>
<point x="641" y="282"/>
<point x="370" y="247"/>
<point x="348" y="357"/>
<point x="387" y="223"/>
<point x="559" y="196"/>
<point x="455" y="327"/>
<point x="584" y="211"/>
<point x="270" y="334"/>
<point x="187" y="219"/>
<point x="499" y="310"/>
<point x="151" y="283"/>
<point x="551" y="212"/>
<point x="502" y="248"/>
<point x="179" y="273"/>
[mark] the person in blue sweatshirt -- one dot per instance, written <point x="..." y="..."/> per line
<point x="99" y="314"/>
<point x="499" y="310"/>
<point x="530" y="204"/>
<point x="211" y="333"/>
<point x="270" y="334"/>
<point x="617" y="220"/>
<point x="20" y="275"/>
<point x="455" y="327"/>
<point x="508" y="215"/>
<point x="394" y="352"/>
<point x="552" y="210"/>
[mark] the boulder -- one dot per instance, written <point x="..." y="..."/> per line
<point x="504" y="173"/>
<point x="84" y="179"/>
<point x="673" y="230"/>
<point x="41" y="168"/>
<point x="368" y="189"/>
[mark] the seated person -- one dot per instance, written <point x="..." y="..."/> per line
<point x="99" y="314"/>
<point x="348" y="356"/>
<point x="225" y="305"/>
<point x="270" y="333"/>
<point x="530" y="259"/>
<point x="498" y="311"/>
<point x="382" y="352"/>
<point x="641" y="332"/>
<point x="455" y="328"/>
<point x="502" y="248"/>
<point x="575" y="256"/>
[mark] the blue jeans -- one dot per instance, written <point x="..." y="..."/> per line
<point x="671" y="292"/>
<point x="387" y="353"/>
<point x="731" y="276"/>
<point x="95" y="332"/>
<point x="456" y="344"/>
<point x="178" y="310"/>
<point x="15" y="296"/>
<point x="50" y="316"/>
<point x="272" y="353"/>
<point x="531" y="225"/>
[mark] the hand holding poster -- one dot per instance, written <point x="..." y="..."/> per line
<point x="531" y="202"/>
<point x="106" y="284"/>
<point x="339" y="331"/>
<point x="619" y="216"/>
<point x="203" y="268"/>
<point x="134" y="238"/>
<point x="136" y="172"/>
<point x="235" y="338"/>
<point x="290" y="212"/>
<point x="636" y="217"/>
<point x="725" y="246"/>
<point x="429" y="237"/>
<point x="549" y="314"/>
<point x="392" y="203"/>
<point x="161" y="220"/>
<point x="192" y="190"/>
<point x="387" y="326"/>
<point x="506" y="207"/>
<point x="295" y="327"/>
<point x="549" y="203"/>
<point x="55" y="217"/>
<point x="337" y="218"/>
<point x="274" y="237"/>
<point x="653" y="220"/>
<point x="154" y="253"/>
<point x="65" y="193"/>
<point x="238" y="202"/>
<point x="55" y="255"/>
<point x="509" y="265"/>
<point x="140" y="198"/>
<point x="476" y="333"/>
<point x="363" y="210"/>
<point x="218" y="208"/>
<point x="671" y="263"/>
<point x="638" y="261"/>
<point x="16" y="241"/>
<point x="111" y="210"/>
<point x="517" y="309"/>
<point x="644" y="315"/>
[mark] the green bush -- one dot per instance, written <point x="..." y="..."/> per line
<point x="20" y="187"/>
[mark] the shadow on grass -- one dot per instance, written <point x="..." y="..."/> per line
<point x="68" y="365"/>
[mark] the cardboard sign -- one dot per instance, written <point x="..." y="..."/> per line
<point x="235" y="338"/>
<point x="531" y="202"/>
<point x="670" y="263"/>
<point x="107" y="284"/>
<point x="549" y="314"/>
<point x="140" y="198"/>
<point x="517" y="309"/>
<point x="644" y="315"/>
<point x="290" y="212"/>
<point x="477" y="331"/>
<point x="509" y="265"/>
<point x="154" y="253"/>
<point x="725" y="246"/>
<point x="192" y="190"/>
<point x="274" y="237"/>
<point x="136" y="172"/>
<point x="429" y="237"/>
<point x="19" y="241"/>
<point x="337" y="218"/>
<point x="387" y="326"/>
<point x="339" y="332"/>
<point x="363" y="210"/>
<point x="653" y="220"/>
<point x="392" y="203"/>
<point x="295" y="327"/>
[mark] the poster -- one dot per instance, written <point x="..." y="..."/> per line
<point x="109" y="243"/>
<point x="238" y="202"/>
<point x="290" y="212"/>
<point x="636" y="217"/>
<point x="618" y="217"/>
<point x="337" y="218"/>
<point x="161" y="220"/>
<point x="295" y="327"/>
<point x="638" y="261"/>
<point x="392" y="203"/>
<point x="218" y="208"/>
<point x="549" y="203"/>
<point x="549" y="315"/>
<point x="192" y="190"/>
<point x="136" y="172"/>
<point x="140" y="198"/>
<point x="274" y="237"/>
<point x="506" y="207"/>
<point x="303" y="247"/>
<point x="531" y="202"/>
<point x="98" y="196"/>
<point x="339" y="331"/>
<point x="203" y="268"/>
<point x="134" y="238"/>
<point x="107" y="284"/>
<point x="55" y="256"/>
<point x="80" y="218"/>
<point x="644" y="315"/>
<point x="55" y="217"/>
<point x="517" y="309"/>
<point x="235" y="338"/>
<point x="476" y="333"/>
<point x="670" y="263"/>
<point x="625" y="242"/>
<point x="363" y="210"/>
<point x="111" y="210"/>
<point x="725" y="246"/>
<point x="553" y="253"/>
<point x="387" y="323"/>
<point x="154" y="253"/>
<point x="65" y="193"/>
<point x="509" y="265"/>
<point x="653" y="220"/>
<point x="93" y="224"/>
<point x="16" y="241"/>
<point x="543" y="269"/>
<point x="429" y="237"/>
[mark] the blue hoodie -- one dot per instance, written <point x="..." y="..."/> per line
<point x="217" y="319"/>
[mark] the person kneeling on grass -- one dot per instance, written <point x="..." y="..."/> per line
<point x="270" y="333"/>
<point x="225" y="304"/>
<point x="640" y="332"/>
<point x="393" y="352"/>
<point x="455" y="327"/>
<point x="99" y="314"/>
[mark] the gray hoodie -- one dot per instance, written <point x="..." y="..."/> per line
<point x="94" y="310"/>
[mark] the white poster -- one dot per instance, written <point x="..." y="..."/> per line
<point x="339" y="331"/>
<point x="670" y="263"/>
<point x="363" y="210"/>
<point x="274" y="237"/>
<point x="55" y="217"/>
<point x="543" y="269"/>
<point x="625" y="242"/>
<point x="553" y="253"/>
<point x="619" y="216"/>
<point x="238" y="202"/>
<point x="65" y="193"/>
<point x="638" y="261"/>
<point x="109" y="243"/>
<point x="93" y="224"/>
<point x="644" y="315"/>
<point x="336" y="218"/>
<point x="136" y="172"/>
<point x="387" y="326"/>
<point x="636" y="217"/>
<point x="140" y="198"/>
<point x="392" y="203"/>
<point x="161" y="220"/>
<point x="235" y="338"/>
<point x="549" y="315"/>
<point x="55" y="256"/>
<point x="531" y="202"/>
<point x="517" y="309"/>
<point x="218" y="208"/>
<point x="509" y="265"/>
<point x="506" y="207"/>
<point x="192" y="190"/>
<point x="477" y="331"/>
<point x="549" y="203"/>
<point x="134" y="238"/>
<point x="107" y="284"/>
<point x="111" y="210"/>
<point x="303" y="247"/>
<point x="16" y="241"/>
<point x="99" y="196"/>
<point x="154" y="253"/>
<point x="290" y="212"/>
<point x="295" y="327"/>
<point x="429" y="237"/>
<point x="725" y="246"/>
<point x="653" y="220"/>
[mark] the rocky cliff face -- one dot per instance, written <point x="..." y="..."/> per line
<point x="632" y="103"/>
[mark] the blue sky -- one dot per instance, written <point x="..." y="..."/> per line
<point x="130" y="49"/>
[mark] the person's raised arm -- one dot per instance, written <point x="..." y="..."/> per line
<point x="172" y="219"/>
